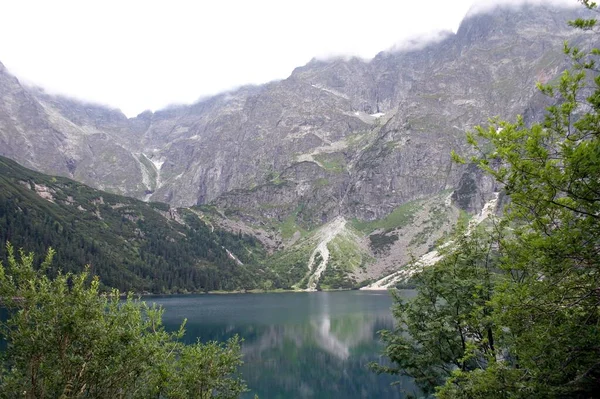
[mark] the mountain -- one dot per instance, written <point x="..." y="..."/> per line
<point x="130" y="244"/>
<point x="342" y="170"/>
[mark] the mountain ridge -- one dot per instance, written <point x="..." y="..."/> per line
<point x="131" y="245"/>
<point x="343" y="138"/>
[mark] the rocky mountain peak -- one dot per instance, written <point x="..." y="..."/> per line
<point x="147" y="114"/>
<point x="344" y="139"/>
<point x="504" y="20"/>
<point x="344" y="136"/>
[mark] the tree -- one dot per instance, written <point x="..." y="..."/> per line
<point x="67" y="340"/>
<point x="544" y="308"/>
<point x="448" y="325"/>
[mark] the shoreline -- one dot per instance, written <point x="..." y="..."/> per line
<point x="255" y="291"/>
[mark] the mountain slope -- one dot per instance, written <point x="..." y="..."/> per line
<point x="130" y="244"/>
<point x="367" y="127"/>
<point x="342" y="139"/>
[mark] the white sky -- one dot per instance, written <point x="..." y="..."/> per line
<point x="138" y="55"/>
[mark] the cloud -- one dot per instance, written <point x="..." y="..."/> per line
<point x="335" y="56"/>
<point x="139" y="55"/>
<point x="418" y="42"/>
<point x="485" y="6"/>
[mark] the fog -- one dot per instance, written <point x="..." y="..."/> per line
<point x="138" y="55"/>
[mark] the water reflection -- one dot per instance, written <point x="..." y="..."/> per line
<point x="296" y="345"/>
<point x="328" y="341"/>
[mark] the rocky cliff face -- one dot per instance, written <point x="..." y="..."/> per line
<point x="338" y="138"/>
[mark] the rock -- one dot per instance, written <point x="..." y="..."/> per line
<point x="342" y="137"/>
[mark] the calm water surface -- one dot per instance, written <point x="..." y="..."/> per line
<point x="296" y="345"/>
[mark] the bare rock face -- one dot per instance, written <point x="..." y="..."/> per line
<point x="342" y="170"/>
<point x="473" y="189"/>
<point x="339" y="137"/>
<point x="59" y="136"/>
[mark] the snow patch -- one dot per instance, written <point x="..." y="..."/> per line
<point x="155" y="160"/>
<point x="367" y="118"/>
<point x="157" y="163"/>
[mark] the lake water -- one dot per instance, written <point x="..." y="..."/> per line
<point x="296" y="345"/>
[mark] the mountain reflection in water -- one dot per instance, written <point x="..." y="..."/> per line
<point x="296" y="345"/>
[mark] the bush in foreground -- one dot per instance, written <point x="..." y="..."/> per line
<point x="64" y="339"/>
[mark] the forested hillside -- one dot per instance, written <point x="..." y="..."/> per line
<point x="130" y="244"/>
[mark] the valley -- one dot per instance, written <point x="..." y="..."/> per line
<point x="423" y="223"/>
<point x="336" y="177"/>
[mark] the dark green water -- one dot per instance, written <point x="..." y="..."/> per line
<point x="296" y="345"/>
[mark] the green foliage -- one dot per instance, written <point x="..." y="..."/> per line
<point x="542" y="303"/>
<point x="380" y="242"/>
<point x="399" y="217"/>
<point x="335" y="163"/>
<point x="290" y="226"/>
<point x="447" y="326"/>
<point x="345" y="253"/>
<point x="65" y="340"/>
<point x="130" y="244"/>
<point x="321" y="182"/>
<point x="273" y="177"/>
<point x="289" y="266"/>
<point x="206" y="371"/>
<point x="437" y="216"/>
<point x="345" y="256"/>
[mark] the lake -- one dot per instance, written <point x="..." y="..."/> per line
<point x="296" y="345"/>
